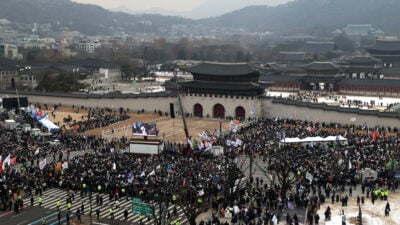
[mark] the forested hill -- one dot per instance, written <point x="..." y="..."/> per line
<point x="299" y="16"/>
<point x="313" y="16"/>
<point x="88" y="19"/>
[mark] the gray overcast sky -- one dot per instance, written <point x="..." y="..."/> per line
<point x="180" y="5"/>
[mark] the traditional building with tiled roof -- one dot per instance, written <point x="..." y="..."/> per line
<point x="223" y="78"/>
<point x="388" y="51"/>
<point x="319" y="48"/>
<point x="223" y="83"/>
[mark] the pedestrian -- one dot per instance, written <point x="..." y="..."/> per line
<point x="141" y="219"/>
<point x="32" y="200"/>
<point x="67" y="218"/>
<point x="328" y="213"/>
<point x="59" y="217"/>
<point x="40" y="201"/>
<point x="78" y="215"/>
<point x="111" y="213"/>
<point x="98" y="214"/>
<point x="295" y="218"/>
<point x="69" y="205"/>
<point x="98" y="200"/>
<point x="16" y="207"/>
<point x="316" y="219"/>
<point x="387" y="209"/>
<point x="83" y="208"/>
<point x="58" y="204"/>
<point x="44" y="221"/>
<point x="126" y="214"/>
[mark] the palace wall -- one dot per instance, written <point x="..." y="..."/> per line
<point x="262" y="107"/>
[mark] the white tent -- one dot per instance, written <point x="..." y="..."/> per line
<point x="313" y="139"/>
<point x="49" y="125"/>
<point x="290" y="140"/>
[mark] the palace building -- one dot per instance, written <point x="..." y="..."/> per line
<point x="221" y="90"/>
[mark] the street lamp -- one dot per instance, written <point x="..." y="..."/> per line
<point x="90" y="198"/>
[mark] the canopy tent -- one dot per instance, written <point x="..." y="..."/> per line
<point x="45" y="122"/>
<point x="37" y="114"/>
<point x="338" y="138"/>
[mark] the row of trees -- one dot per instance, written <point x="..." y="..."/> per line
<point x="193" y="190"/>
<point x="161" y="51"/>
<point x="64" y="82"/>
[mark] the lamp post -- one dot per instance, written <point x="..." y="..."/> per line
<point x="90" y="209"/>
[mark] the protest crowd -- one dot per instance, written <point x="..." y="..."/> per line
<point x="319" y="172"/>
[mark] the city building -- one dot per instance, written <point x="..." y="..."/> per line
<point x="9" y="51"/>
<point x="8" y="74"/>
<point x="88" y="46"/>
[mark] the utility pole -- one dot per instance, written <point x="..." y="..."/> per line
<point x="16" y="92"/>
<point x="185" y="128"/>
<point x="251" y="167"/>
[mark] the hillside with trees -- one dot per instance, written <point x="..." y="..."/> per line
<point x="314" y="17"/>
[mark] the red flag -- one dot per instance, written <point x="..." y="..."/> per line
<point x="373" y="136"/>
<point x="1" y="167"/>
<point x="39" y="112"/>
<point x="13" y="161"/>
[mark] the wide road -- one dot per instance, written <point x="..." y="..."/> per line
<point x="32" y="215"/>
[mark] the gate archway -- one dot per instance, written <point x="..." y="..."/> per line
<point x="218" y="111"/>
<point x="240" y="113"/>
<point x="198" y="110"/>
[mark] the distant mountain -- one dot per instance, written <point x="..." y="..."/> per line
<point x="88" y="19"/>
<point x="313" y="17"/>
<point x="209" y="8"/>
<point x="159" y="11"/>
<point x="212" y="8"/>
<point x="310" y="16"/>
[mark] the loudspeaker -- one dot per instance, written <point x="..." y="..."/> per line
<point x="171" y="110"/>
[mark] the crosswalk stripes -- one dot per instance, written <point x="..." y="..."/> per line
<point x="51" y="196"/>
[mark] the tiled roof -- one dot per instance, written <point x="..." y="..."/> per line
<point x="358" y="29"/>
<point x="363" y="59"/>
<point x="390" y="71"/>
<point x="319" y="47"/>
<point x="321" y="66"/>
<point x="91" y="63"/>
<point x="389" y="45"/>
<point x="221" y="69"/>
<point x="371" y="82"/>
<point x="219" y="85"/>
<point x="291" y="56"/>
<point x="279" y="78"/>
<point x="360" y="69"/>
<point x="8" y="65"/>
<point x="312" y="79"/>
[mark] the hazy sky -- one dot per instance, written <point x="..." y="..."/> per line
<point x="181" y="5"/>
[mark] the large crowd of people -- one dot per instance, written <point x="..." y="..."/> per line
<point x="334" y="168"/>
